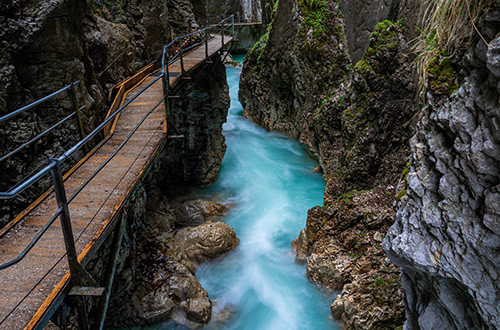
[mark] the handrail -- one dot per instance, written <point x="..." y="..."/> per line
<point x="34" y="104"/>
<point x="179" y="39"/>
<point x="54" y="166"/>
<point x="38" y="137"/>
<point x="96" y="130"/>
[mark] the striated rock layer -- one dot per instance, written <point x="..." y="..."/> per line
<point x="447" y="234"/>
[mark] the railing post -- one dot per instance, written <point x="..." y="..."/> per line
<point x="180" y="54"/>
<point x="166" y="85"/>
<point x="110" y="272"/>
<point x="206" y="44"/>
<point x="69" y="241"/>
<point x="222" y="35"/>
<point x="165" y="66"/>
<point x="62" y="203"/>
<point x="74" y="100"/>
<point x="189" y="32"/>
<point x="232" y="25"/>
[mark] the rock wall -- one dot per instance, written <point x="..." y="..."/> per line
<point x="361" y="17"/>
<point x="213" y="11"/>
<point x="198" y="115"/>
<point x="447" y="234"/>
<point x="352" y="116"/>
<point x="43" y="49"/>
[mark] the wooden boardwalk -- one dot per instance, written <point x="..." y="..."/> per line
<point x="32" y="289"/>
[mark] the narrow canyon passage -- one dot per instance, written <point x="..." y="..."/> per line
<point x="267" y="178"/>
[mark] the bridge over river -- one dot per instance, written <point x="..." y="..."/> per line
<point x="44" y="251"/>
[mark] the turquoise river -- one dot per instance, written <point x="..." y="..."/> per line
<point x="267" y="179"/>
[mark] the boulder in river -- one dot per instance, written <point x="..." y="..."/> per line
<point x="196" y="212"/>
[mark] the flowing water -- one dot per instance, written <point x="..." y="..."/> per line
<point x="267" y="179"/>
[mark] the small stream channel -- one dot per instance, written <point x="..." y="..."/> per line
<point x="267" y="179"/>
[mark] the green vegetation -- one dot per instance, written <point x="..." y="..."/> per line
<point x="111" y="10"/>
<point x="354" y="256"/>
<point x="447" y="26"/>
<point x="348" y="196"/>
<point x="383" y="39"/>
<point x="401" y="194"/>
<point x="403" y="178"/>
<point x="441" y="73"/>
<point x="261" y="44"/>
<point x="315" y="16"/>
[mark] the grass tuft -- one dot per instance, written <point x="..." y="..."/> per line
<point x="447" y="25"/>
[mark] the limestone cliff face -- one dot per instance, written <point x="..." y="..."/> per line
<point x="447" y="234"/>
<point x="300" y="79"/>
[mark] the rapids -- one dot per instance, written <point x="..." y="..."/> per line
<point x="267" y="179"/>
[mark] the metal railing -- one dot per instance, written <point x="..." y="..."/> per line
<point x="78" y="273"/>
<point x="55" y="169"/>
<point x="180" y="42"/>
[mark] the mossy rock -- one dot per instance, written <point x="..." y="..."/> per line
<point x="384" y="43"/>
<point x="441" y="74"/>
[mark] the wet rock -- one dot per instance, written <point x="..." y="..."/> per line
<point x="342" y="247"/>
<point x="110" y="42"/>
<point x="197" y="212"/>
<point x="168" y="290"/>
<point x="204" y="242"/>
<point x="493" y="57"/>
<point x="161" y="282"/>
<point x="368" y="302"/>
<point x="201" y="111"/>
<point x="221" y="315"/>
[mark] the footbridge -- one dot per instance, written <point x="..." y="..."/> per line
<point x="45" y="249"/>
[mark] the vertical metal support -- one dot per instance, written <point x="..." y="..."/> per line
<point x="166" y="86"/>
<point x="74" y="265"/>
<point x="62" y="203"/>
<point x="180" y="54"/>
<point x="190" y="36"/>
<point x="232" y="25"/>
<point x="222" y="35"/>
<point x="206" y="44"/>
<point x="74" y="100"/>
<point x="110" y="272"/>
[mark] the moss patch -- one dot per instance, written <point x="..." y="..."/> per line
<point x="260" y="45"/>
<point x="441" y="74"/>
<point x="315" y="16"/>
<point x="384" y="39"/>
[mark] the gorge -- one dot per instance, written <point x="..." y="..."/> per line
<point x="397" y="101"/>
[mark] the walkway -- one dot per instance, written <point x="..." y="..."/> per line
<point x="33" y="288"/>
